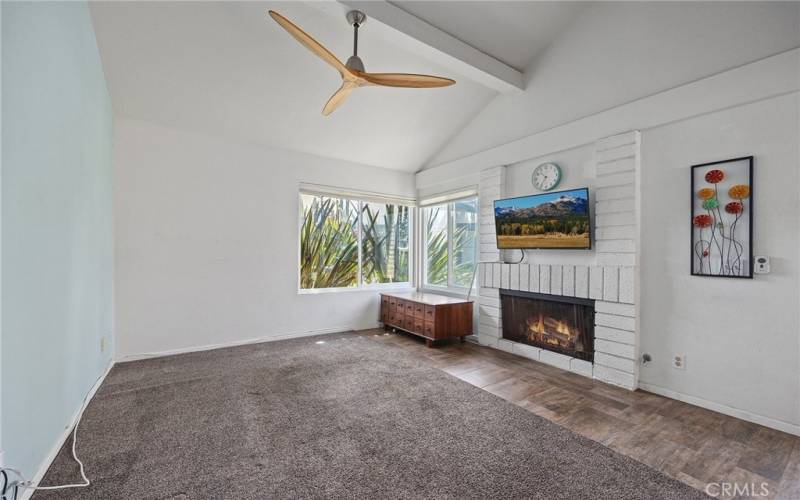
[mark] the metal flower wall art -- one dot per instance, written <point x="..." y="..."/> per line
<point x="722" y="218"/>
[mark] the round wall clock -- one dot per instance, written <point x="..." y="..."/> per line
<point x="546" y="176"/>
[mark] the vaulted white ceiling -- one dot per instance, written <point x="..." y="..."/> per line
<point x="225" y="68"/>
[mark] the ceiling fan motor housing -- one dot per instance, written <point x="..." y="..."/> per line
<point x="356" y="18"/>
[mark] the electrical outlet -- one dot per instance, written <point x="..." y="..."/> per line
<point x="102" y="344"/>
<point x="679" y="361"/>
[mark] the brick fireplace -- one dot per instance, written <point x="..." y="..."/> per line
<point x="606" y="276"/>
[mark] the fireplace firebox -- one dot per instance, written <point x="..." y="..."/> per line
<point x="561" y="324"/>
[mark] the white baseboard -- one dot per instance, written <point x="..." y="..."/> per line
<point x="772" y="423"/>
<point x="26" y="493"/>
<point x="234" y="343"/>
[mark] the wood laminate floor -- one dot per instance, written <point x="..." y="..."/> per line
<point x="695" y="445"/>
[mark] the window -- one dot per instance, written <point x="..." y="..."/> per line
<point x="347" y="243"/>
<point x="450" y="248"/>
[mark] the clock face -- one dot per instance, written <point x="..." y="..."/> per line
<point x="546" y="176"/>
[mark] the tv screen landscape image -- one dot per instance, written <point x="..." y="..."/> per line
<point x="548" y="220"/>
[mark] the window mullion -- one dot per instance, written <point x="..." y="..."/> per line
<point x="360" y="250"/>
<point x="450" y="222"/>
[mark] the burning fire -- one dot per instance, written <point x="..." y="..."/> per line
<point x="550" y="331"/>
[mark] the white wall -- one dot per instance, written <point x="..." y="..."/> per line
<point x="207" y="241"/>
<point x="57" y="238"/>
<point x="617" y="52"/>
<point x="741" y="337"/>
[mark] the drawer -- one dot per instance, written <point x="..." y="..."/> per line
<point x="419" y="311"/>
<point x="429" y="329"/>
<point x="392" y="301"/>
<point x="393" y="319"/>
<point x="430" y="313"/>
<point x="419" y="326"/>
<point x="384" y="301"/>
<point x="409" y="308"/>
<point x="384" y="314"/>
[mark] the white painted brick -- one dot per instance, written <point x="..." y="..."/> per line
<point x="615" y="233"/>
<point x="485" y="319"/>
<point x="488" y="340"/>
<point x="484" y="329"/>
<point x="582" y="281"/>
<point x="615" y="348"/>
<point x="596" y="282"/>
<point x="613" y="321"/>
<point x="488" y="271"/>
<point x="555" y="359"/>
<point x="544" y="278"/>
<point x="487" y="211"/>
<point x="513" y="282"/>
<point x="488" y="238"/>
<point x="624" y="151"/>
<point x="490" y="256"/>
<point x="496" y="269"/>
<point x="490" y="181"/>
<point x="488" y="247"/>
<point x="614" y="192"/>
<point x="611" y="206"/>
<point x="610" y="284"/>
<point x="490" y="311"/>
<point x="616" y="219"/>
<point x="615" y="141"/>
<point x="524" y="277"/>
<point x="489" y="172"/>
<point x="490" y="192"/>
<point x="534" y="278"/>
<point x="489" y="292"/>
<point x="622" y="364"/>
<point x="615" y="377"/>
<point x="489" y="302"/>
<point x="616" y="259"/>
<point x="580" y="366"/>
<point x="568" y="280"/>
<point x="627" y="164"/>
<point x="526" y="351"/>
<point x="505" y="345"/>
<point x="556" y="279"/>
<point x="626" y="285"/>
<point x="614" y="335"/>
<point x="505" y="271"/>
<point x="615" y="308"/>
<point x="616" y="246"/>
<point x="619" y="179"/>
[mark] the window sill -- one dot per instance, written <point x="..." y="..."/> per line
<point x="460" y="293"/>
<point x="395" y="287"/>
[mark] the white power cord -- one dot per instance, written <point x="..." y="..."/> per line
<point x="28" y="484"/>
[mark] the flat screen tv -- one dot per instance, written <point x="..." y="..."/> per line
<point x="547" y="220"/>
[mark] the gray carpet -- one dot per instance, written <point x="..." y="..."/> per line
<point x="352" y="417"/>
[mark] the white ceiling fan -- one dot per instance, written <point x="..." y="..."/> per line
<point x="353" y="74"/>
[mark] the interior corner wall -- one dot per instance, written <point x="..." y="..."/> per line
<point x="207" y="241"/>
<point x="740" y="337"/>
<point x="57" y="236"/>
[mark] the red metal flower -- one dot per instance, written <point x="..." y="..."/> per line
<point x="734" y="207"/>
<point x="703" y="220"/>
<point x="714" y="176"/>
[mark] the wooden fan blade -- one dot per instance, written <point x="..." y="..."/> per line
<point x="308" y="42"/>
<point x="406" y="80"/>
<point x="338" y="97"/>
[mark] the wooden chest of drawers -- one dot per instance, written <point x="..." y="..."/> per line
<point x="428" y="315"/>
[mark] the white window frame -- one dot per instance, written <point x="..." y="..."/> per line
<point x="360" y="199"/>
<point x="449" y="203"/>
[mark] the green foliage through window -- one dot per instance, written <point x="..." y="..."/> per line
<point x="329" y="242"/>
<point x="450" y="243"/>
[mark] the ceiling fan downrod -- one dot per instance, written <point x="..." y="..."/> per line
<point x="356" y="18"/>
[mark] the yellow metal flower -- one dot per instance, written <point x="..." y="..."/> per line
<point x="739" y="192"/>
<point x="705" y="194"/>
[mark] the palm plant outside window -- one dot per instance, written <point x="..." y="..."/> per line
<point x="346" y="243"/>
<point x="450" y="248"/>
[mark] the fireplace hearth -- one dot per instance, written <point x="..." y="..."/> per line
<point x="560" y="324"/>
